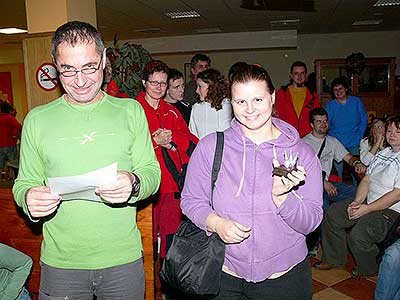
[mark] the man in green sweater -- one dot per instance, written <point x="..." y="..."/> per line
<point x="89" y="247"/>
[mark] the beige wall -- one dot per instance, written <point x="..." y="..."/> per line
<point x="310" y="47"/>
<point x="11" y="54"/>
<point x="277" y="61"/>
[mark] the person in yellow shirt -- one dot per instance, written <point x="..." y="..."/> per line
<point x="295" y="100"/>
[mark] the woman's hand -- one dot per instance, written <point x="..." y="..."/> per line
<point x="163" y="137"/>
<point x="381" y="141"/>
<point x="281" y="186"/>
<point x="229" y="231"/>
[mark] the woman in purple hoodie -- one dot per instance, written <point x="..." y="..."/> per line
<point x="262" y="218"/>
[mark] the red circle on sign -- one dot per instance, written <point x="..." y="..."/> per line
<point x="42" y="72"/>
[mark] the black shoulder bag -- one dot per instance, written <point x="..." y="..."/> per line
<point x="194" y="261"/>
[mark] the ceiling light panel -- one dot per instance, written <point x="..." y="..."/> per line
<point x="12" y="30"/>
<point x="182" y="14"/>
<point x="367" y="22"/>
<point x="387" y="3"/>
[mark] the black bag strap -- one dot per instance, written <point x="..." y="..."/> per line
<point x="170" y="164"/>
<point x="219" y="149"/>
<point x="321" y="148"/>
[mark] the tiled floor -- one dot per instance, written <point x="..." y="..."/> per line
<point x="337" y="284"/>
<point x="334" y="284"/>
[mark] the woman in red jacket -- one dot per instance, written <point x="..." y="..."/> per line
<point x="172" y="143"/>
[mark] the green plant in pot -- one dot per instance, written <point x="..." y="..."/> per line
<point x="127" y="63"/>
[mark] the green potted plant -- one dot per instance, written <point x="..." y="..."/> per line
<point x="127" y="63"/>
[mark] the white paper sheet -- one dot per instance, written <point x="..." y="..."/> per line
<point x="83" y="186"/>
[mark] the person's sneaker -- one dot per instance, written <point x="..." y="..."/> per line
<point x="325" y="266"/>
<point x="356" y="274"/>
<point x="313" y="252"/>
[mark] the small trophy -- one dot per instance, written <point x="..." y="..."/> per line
<point x="288" y="165"/>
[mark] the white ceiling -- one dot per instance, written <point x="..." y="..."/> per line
<point x="136" y="19"/>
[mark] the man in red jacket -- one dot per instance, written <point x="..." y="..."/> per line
<point x="295" y="101"/>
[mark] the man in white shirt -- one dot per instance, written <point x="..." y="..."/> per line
<point x="328" y="149"/>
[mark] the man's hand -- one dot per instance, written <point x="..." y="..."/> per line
<point x="359" y="211"/>
<point x="118" y="191"/>
<point x="352" y="208"/>
<point x="41" y="201"/>
<point x="330" y="188"/>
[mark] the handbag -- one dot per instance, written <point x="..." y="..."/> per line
<point x="193" y="263"/>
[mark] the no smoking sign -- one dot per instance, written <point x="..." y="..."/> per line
<point x="46" y="77"/>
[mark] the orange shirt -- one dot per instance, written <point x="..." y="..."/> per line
<point x="298" y="96"/>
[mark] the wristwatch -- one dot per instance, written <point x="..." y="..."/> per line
<point x="135" y="186"/>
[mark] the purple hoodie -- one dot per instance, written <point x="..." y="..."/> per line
<point x="243" y="193"/>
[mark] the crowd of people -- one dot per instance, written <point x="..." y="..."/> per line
<point x="274" y="187"/>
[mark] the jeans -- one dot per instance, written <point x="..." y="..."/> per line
<point x="339" y="166"/>
<point x="344" y="192"/>
<point x="388" y="285"/>
<point x="125" y="282"/>
<point x="7" y="153"/>
<point x="24" y="295"/>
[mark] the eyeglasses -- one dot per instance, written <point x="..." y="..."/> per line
<point x="181" y="86"/>
<point x="85" y="70"/>
<point x="156" y="83"/>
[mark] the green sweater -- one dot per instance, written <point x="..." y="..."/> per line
<point x="15" y="267"/>
<point x="63" y="139"/>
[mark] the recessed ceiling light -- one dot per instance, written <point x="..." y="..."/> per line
<point x="286" y="22"/>
<point x="387" y="3"/>
<point x="149" y="30"/>
<point x="12" y="30"/>
<point x="182" y="14"/>
<point x="367" y="22"/>
<point x="208" y="30"/>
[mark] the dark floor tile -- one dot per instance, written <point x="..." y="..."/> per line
<point x="359" y="289"/>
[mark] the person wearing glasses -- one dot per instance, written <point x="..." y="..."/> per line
<point x="90" y="247"/>
<point x="175" y="93"/>
<point x="173" y="144"/>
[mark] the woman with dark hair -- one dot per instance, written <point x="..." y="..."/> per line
<point x="347" y="119"/>
<point x="263" y="218"/>
<point x="373" y="143"/>
<point x="171" y="139"/>
<point x="213" y="111"/>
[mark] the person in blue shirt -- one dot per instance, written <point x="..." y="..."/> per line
<point x="347" y="119"/>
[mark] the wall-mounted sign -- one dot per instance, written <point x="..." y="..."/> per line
<point x="46" y="77"/>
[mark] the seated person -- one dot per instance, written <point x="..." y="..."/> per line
<point x="328" y="149"/>
<point x="373" y="143"/>
<point x="388" y="284"/>
<point x="365" y="221"/>
<point x="15" y="268"/>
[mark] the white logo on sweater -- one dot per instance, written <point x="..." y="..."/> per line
<point x="88" y="138"/>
